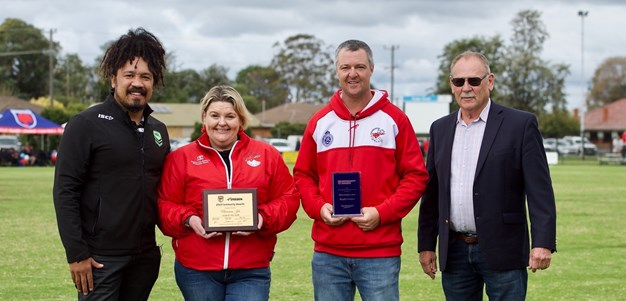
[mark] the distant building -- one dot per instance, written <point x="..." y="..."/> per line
<point x="12" y="102"/>
<point x="423" y="110"/>
<point x="605" y="123"/>
<point x="180" y="118"/>
<point x="293" y="113"/>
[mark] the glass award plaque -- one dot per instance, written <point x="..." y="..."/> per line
<point x="346" y="194"/>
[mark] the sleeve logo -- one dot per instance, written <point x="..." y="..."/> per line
<point x="157" y="138"/>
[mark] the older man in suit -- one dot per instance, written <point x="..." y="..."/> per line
<point x="486" y="163"/>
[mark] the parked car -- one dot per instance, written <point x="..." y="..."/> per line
<point x="282" y="145"/>
<point x="549" y="144"/>
<point x="295" y="140"/>
<point x="588" y="147"/>
<point x="566" y="147"/>
<point x="178" y="142"/>
<point x="9" y="142"/>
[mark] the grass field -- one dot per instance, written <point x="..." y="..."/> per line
<point x="590" y="263"/>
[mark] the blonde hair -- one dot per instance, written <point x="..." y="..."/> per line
<point x="230" y="95"/>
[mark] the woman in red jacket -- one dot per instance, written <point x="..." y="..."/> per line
<point x="224" y="265"/>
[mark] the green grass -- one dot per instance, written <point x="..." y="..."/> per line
<point x="590" y="263"/>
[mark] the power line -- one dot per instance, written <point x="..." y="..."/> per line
<point x="50" y="52"/>
<point x="15" y="53"/>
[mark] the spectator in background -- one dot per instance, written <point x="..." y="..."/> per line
<point x="424" y="146"/>
<point x="28" y="156"/>
<point x="9" y="157"/>
<point x="618" y="144"/>
<point x="43" y="158"/>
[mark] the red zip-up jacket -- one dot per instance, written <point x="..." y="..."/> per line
<point x="195" y="167"/>
<point x="380" y="143"/>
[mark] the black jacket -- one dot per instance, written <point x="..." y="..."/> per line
<point x="105" y="185"/>
<point x="512" y="174"/>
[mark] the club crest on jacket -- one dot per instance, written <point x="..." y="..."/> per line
<point x="157" y="138"/>
<point x="327" y="139"/>
<point x="252" y="160"/>
<point x="377" y="135"/>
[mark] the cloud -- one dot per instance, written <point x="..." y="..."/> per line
<point x="239" y="33"/>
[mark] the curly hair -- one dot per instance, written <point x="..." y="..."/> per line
<point x="137" y="43"/>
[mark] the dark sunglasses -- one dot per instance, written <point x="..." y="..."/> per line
<point x="473" y="81"/>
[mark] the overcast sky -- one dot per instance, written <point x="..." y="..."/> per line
<point x="236" y="34"/>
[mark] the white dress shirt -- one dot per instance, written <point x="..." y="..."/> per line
<point x="465" y="150"/>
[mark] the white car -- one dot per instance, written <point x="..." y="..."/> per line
<point x="178" y="142"/>
<point x="9" y="142"/>
<point x="566" y="147"/>
<point x="282" y="145"/>
<point x="589" y="148"/>
<point x="549" y="144"/>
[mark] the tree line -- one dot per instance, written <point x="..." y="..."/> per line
<point x="302" y="70"/>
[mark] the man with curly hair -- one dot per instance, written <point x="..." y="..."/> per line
<point x="108" y="167"/>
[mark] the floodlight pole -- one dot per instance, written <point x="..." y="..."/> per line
<point x="582" y="15"/>
<point x="393" y="66"/>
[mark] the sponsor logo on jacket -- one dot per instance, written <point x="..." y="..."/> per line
<point x="253" y="160"/>
<point x="200" y="160"/>
<point x="107" y="117"/>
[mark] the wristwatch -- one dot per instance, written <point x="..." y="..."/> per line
<point x="187" y="221"/>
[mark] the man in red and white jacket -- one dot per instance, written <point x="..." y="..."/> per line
<point x="361" y="131"/>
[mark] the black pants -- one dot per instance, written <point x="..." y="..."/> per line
<point x="125" y="277"/>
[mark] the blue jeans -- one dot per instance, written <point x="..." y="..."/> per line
<point x="466" y="274"/>
<point x="231" y="285"/>
<point x="337" y="278"/>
